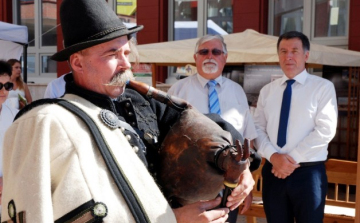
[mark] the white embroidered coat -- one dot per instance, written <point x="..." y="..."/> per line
<point x="52" y="166"/>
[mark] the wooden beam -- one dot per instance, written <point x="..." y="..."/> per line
<point x="153" y="75"/>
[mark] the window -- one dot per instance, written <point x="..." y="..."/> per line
<point x="194" y="18"/>
<point x="28" y="19"/>
<point x="48" y="23"/>
<point x="40" y="18"/>
<point x="288" y="15"/>
<point x="30" y="63"/>
<point x="221" y="13"/>
<point x="323" y="21"/>
<point x="185" y="24"/>
<point x="47" y="65"/>
<point x="331" y="18"/>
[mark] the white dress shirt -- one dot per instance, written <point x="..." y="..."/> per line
<point x="312" y="119"/>
<point x="233" y="102"/>
<point x="56" y="88"/>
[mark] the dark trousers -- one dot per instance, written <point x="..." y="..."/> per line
<point x="300" y="196"/>
<point x="233" y="215"/>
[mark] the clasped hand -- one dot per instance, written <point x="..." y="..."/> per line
<point x="203" y="211"/>
<point x="283" y="165"/>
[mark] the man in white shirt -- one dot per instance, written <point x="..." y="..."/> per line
<point x="56" y="88"/>
<point x="294" y="177"/>
<point x="210" y="57"/>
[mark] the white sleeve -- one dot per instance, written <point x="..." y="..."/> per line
<point x="55" y="88"/>
<point x="262" y="142"/>
<point x="48" y="92"/>
<point x="26" y="177"/>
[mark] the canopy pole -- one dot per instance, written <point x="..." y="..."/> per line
<point x="25" y="62"/>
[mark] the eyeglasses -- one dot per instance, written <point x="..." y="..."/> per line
<point x="8" y="86"/>
<point x="215" y="52"/>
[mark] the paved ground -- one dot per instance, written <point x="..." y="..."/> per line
<point x="242" y="219"/>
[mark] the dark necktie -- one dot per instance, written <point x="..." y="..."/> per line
<point x="214" y="105"/>
<point x="284" y="114"/>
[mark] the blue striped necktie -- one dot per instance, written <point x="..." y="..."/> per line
<point x="214" y="105"/>
<point x="284" y="114"/>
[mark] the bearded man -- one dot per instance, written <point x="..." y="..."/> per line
<point x="210" y="92"/>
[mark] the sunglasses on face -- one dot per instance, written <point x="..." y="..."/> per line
<point x="8" y="86"/>
<point x="215" y="52"/>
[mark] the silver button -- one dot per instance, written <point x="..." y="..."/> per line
<point x="128" y="137"/>
<point x="136" y="149"/>
<point x="11" y="210"/>
<point x="122" y="129"/>
<point x="148" y="136"/>
<point x="100" y="210"/>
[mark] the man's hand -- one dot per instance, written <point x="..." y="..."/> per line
<point x="247" y="203"/>
<point x="283" y="165"/>
<point x="241" y="191"/>
<point x="21" y="104"/>
<point x="200" y="212"/>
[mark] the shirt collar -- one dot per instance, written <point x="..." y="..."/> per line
<point x="203" y="81"/>
<point x="300" y="78"/>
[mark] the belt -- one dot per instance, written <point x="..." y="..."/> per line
<point x="311" y="163"/>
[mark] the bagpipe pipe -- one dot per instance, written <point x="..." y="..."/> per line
<point x="197" y="156"/>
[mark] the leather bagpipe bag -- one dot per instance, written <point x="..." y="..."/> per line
<point x="188" y="169"/>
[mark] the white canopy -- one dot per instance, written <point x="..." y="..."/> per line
<point x="12" y="39"/>
<point x="245" y="47"/>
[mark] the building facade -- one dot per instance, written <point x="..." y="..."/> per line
<point x="328" y="22"/>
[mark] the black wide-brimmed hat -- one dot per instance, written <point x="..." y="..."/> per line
<point x="86" y="23"/>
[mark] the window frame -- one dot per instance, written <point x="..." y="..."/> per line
<point x="37" y="50"/>
<point x="202" y="14"/>
<point x="309" y="25"/>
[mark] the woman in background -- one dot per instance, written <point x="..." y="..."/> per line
<point x="20" y="88"/>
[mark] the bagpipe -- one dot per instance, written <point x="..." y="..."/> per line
<point x="198" y="157"/>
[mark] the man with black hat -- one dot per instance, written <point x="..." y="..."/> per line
<point x="76" y="161"/>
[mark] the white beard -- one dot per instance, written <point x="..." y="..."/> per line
<point x="210" y="68"/>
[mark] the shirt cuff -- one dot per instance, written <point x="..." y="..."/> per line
<point x="268" y="151"/>
<point x="296" y="156"/>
